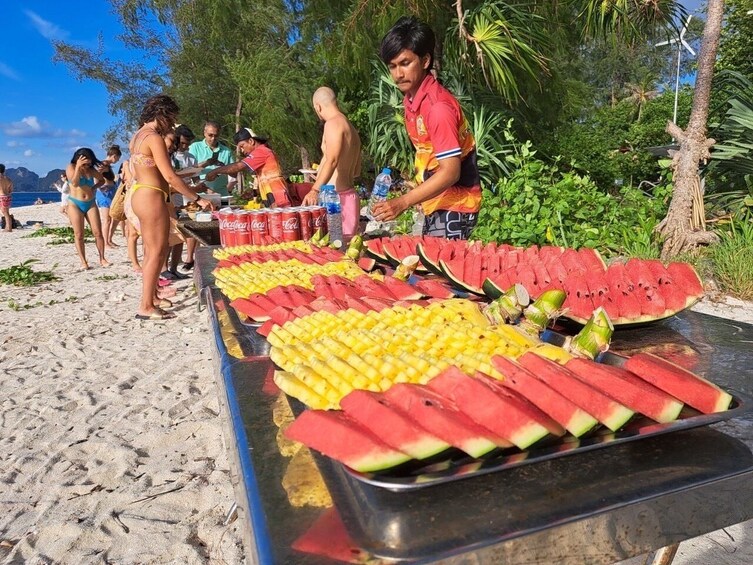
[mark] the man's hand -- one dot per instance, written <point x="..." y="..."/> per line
<point x="211" y="175"/>
<point x="311" y="198"/>
<point x="389" y="209"/>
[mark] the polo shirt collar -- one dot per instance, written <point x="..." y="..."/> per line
<point x="428" y="82"/>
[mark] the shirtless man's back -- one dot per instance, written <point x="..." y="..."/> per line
<point x="341" y="159"/>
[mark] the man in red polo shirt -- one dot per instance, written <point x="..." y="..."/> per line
<point x="263" y="162"/>
<point x="449" y="189"/>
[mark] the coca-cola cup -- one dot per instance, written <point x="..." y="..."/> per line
<point x="274" y="224"/>
<point x="307" y="223"/>
<point x="319" y="219"/>
<point x="243" y="228"/>
<point x="259" y="223"/>
<point x="226" y="215"/>
<point x="291" y="225"/>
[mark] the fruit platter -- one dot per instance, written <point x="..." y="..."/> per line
<point x="415" y="361"/>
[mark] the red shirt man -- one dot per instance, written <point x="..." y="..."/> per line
<point x="449" y="189"/>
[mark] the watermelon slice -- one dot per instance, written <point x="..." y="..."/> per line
<point x="439" y="416"/>
<point x="566" y="413"/>
<point x="251" y="309"/>
<point x="609" y="412"/>
<point x="280" y="315"/>
<point x="433" y="289"/>
<point x="686" y="277"/>
<point x="428" y="253"/>
<point x="327" y="537"/>
<point x="626" y="388"/>
<point x="484" y="406"/>
<point x="695" y="391"/>
<point x="401" y="289"/>
<point x="393" y="427"/>
<point x="336" y="435"/>
<point x="372" y="288"/>
<point x="367" y="263"/>
<point x="374" y="248"/>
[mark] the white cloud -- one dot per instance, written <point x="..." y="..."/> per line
<point x="8" y="72"/>
<point x="14" y="143"/>
<point x="31" y="126"/>
<point x="28" y="153"/>
<point x="46" y="29"/>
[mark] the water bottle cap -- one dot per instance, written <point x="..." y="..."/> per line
<point x="386" y="171"/>
<point x="328" y="187"/>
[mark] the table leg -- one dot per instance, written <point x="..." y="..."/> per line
<point x="663" y="556"/>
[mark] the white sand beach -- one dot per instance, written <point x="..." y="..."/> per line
<point x="111" y="446"/>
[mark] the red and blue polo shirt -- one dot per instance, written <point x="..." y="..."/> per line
<point x="438" y="130"/>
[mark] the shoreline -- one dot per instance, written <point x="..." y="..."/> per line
<point x="111" y="444"/>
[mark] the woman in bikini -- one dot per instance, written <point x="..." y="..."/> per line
<point x="153" y="175"/>
<point x="83" y="180"/>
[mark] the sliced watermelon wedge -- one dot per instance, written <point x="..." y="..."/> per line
<point x="695" y="391"/>
<point x="605" y="409"/>
<point x="626" y="388"/>
<point x="336" y="435"/>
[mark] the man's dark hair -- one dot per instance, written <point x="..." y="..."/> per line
<point x="184" y="131"/>
<point x="247" y="133"/>
<point x="408" y="33"/>
<point x="2" y="168"/>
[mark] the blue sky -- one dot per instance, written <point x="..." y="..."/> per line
<point x="45" y="113"/>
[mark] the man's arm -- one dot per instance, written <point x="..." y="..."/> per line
<point x="332" y="140"/>
<point x="230" y="169"/>
<point x="445" y="176"/>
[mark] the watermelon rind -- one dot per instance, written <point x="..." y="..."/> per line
<point x="457" y="282"/>
<point x="644" y="320"/>
<point x="429" y="265"/>
<point x="491" y="289"/>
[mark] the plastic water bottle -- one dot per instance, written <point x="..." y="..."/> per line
<point x="379" y="193"/>
<point x="329" y="198"/>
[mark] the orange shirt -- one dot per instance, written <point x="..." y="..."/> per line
<point x="438" y="130"/>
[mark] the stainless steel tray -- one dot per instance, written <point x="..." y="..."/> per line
<point x="457" y="466"/>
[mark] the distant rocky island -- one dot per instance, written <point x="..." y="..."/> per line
<point x="25" y="180"/>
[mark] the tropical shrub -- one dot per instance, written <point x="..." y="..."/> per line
<point x="540" y="203"/>
<point x="732" y="259"/>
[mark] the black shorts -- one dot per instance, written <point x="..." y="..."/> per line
<point x="449" y="224"/>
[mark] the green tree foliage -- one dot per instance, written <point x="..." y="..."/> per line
<point x="611" y="143"/>
<point x="545" y="204"/>
<point x="736" y="42"/>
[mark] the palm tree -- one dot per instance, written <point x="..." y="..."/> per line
<point x="641" y="92"/>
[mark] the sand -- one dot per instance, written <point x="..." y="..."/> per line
<point x="111" y="446"/>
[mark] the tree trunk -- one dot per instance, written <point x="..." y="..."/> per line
<point x="238" y="108"/>
<point x="684" y="228"/>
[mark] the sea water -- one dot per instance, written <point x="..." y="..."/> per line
<point x="29" y="198"/>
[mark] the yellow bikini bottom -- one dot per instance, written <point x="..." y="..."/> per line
<point x="137" y="185"/>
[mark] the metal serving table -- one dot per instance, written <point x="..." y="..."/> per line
<point x="594" y="507"/>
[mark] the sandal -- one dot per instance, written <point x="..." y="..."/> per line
<point x="164" y="282"/>
<point x="162" y="303"/>
<point x="156" y="315"/>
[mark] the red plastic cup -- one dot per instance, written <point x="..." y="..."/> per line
<point x="291" y="225"/>
<point x="274" y="224"/>
<point x="243" y="229"/>
<point x="307" y="223"/>
<point x="259" y="223"/>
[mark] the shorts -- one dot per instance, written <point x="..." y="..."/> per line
<point x="350" y="204"/>
<point x="6" y="200"/>
<point x="450" y="224"/>
<point x="104" y="197"/>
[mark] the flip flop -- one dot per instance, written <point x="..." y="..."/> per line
<point x="179" y="276"/>
<point x="164" y="282"/>
<point x="156" y="315"/>
<point x="164" y="303"/>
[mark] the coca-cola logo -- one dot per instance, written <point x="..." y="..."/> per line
<point x="258" y="225"/>
<point x="233" y="225"/>
<point x="318" y="221"/>
<point x="290" y="224"/>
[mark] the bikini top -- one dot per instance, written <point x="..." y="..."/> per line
<point x="85" y="181"/>
<point x="141" y="158"/>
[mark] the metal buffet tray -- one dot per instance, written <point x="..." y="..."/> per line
<point x="456" y="465"/>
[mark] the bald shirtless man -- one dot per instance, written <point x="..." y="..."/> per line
<point x="6" y="189"/>
<point x="341" y="159"/>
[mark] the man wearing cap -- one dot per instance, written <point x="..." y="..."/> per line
<point x="262" y="161"/>
<point x="341" y="159"/>
<point x="210" y="152"/>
